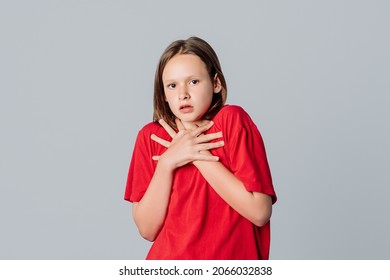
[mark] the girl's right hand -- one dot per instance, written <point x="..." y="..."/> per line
<point x="187" y="145"/>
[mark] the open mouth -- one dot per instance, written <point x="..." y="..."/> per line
<point x="186" y="108"/>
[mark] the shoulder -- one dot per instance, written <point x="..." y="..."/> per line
<point x="233" y="115"/>
<point x="228" y="108"/>
<point x="149" y="129"/>
<point x="152" y="127"/>
<point x="144" y="145"/>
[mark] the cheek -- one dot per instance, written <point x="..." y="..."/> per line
<point x="209" y="96"/>
<point x="207" y="101"/>
<point x="167" y="98"/>
<point x="169" y="101"/>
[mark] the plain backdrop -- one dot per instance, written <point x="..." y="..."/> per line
<point x="76" y="84"/>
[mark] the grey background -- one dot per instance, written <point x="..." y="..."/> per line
<point x="76" y="86"/>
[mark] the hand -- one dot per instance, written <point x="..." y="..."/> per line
<point x="187" y="145"/>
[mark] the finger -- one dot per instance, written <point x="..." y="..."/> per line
<point x="159" y="140"/>
<point x="197" y="131"/>
<point x="203" y="157"/>
<point x="193" y="126"/>
<point x="167" y="128"/>
<point x="179" y="124"/>
<point x="208" y="137"/>
<point x="209" y="146"/>
<point x="155" y="157"/>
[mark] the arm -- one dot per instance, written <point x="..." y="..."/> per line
<point x="255" y="206"/>
<point x="149" y="213"/>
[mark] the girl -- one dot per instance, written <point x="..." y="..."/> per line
<point x="199" y="179"/>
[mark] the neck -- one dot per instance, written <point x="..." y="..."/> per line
<point x="191" y="125"/>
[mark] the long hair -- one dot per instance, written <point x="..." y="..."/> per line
<point x="205" y="52"/>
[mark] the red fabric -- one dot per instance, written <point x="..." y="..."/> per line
<point x="199" y="224"/>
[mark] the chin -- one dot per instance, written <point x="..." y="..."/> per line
<point x="187" y="119"/>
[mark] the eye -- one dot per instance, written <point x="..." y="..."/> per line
<point x="194" y="82"/>
<point x="171" y="86"/>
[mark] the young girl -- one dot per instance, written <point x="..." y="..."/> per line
<point x="199" y="179"/>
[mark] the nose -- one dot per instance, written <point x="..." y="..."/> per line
<point x="183" y="93"/>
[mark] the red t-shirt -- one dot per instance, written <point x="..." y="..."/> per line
<point x="199" y="224"/>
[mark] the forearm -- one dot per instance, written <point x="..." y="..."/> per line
<point x="256" y="207"/>
<point x="149" y="213"/>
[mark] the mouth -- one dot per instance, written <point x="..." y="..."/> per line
<point x="185" y="108"/>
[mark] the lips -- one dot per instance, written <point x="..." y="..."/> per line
<point x="185" y="108"/>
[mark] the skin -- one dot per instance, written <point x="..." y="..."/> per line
<point x="187" y="85"/>
<point x="149" y="213"/>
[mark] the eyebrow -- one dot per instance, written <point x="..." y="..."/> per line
<point x="191" y="77"/>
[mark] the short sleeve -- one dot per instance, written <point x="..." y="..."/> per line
<point x="246" y="154"/>
<point x="141" y="168"/>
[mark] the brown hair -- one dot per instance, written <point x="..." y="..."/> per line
<point x="205" y="52"/>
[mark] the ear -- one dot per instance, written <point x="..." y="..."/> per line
<point x="217" y="84"/>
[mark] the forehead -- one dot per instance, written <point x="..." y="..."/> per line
<point x="184" y="65"/>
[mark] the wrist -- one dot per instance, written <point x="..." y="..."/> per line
<point x="164" y="165"/>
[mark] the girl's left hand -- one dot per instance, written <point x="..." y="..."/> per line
<point x="182" y="129"/>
